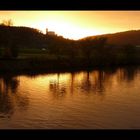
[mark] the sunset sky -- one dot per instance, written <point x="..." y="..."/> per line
<point x="75" y="24"/>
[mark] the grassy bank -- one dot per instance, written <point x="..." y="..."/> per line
<point x="38" y="60"/>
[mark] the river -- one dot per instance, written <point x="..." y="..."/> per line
<point x="97" y="99"/>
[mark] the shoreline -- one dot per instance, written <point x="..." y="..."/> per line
<point x="33" y="67"/>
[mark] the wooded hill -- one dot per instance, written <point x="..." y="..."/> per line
<point x="122" y="38"/>
<point x="61" y="53"/>
<point x="26" y="37"/>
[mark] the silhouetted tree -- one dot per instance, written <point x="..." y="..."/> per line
<point x="8" y="22"/>
<point x="93" y="49"/>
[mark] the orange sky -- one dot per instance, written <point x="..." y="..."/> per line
<point x="75" y="24"/>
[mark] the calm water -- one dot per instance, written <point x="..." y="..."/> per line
<point x="95" y="99"/>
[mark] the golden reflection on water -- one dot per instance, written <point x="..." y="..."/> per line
<point x="10" y="98"/>
<point x="88" y="98"/>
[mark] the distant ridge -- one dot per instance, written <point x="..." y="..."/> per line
<point x="121" y="38"/>
<point x="30" y="37"/>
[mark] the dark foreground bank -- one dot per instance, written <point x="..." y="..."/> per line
<point x="21" y="66"/>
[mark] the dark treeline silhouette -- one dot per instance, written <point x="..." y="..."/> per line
<point x="56" y="52"/>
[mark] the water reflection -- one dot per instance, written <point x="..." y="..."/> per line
<point x="91" y="82"/>
<point x="127" y="74"/>
<point x="9" y="95"/>
<point x="10" y="84"/>
<point x="56" y="88"/>
<point x="72" y="83"/>
<point x="95" y="82"/>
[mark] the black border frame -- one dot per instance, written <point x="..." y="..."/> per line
<point x="69" y="5"/>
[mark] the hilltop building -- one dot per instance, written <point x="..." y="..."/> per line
<point x="46" y="31"/>
<point x="50" y="32"/>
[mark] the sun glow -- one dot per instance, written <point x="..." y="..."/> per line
<point x="75" y="24"/>
<point x="65" y="29"/>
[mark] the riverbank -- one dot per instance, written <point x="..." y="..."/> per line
<point x="23" y="66"/>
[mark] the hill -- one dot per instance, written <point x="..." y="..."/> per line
<point x="62" y="53"/>
<point x="121" y="38"/>
<point x="25" y="37"/>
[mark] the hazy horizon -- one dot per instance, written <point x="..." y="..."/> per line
<point x="82" y="37"/>
<point x="76" y="24"/>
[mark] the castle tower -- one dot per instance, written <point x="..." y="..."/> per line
<point x="46" y="31"/>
